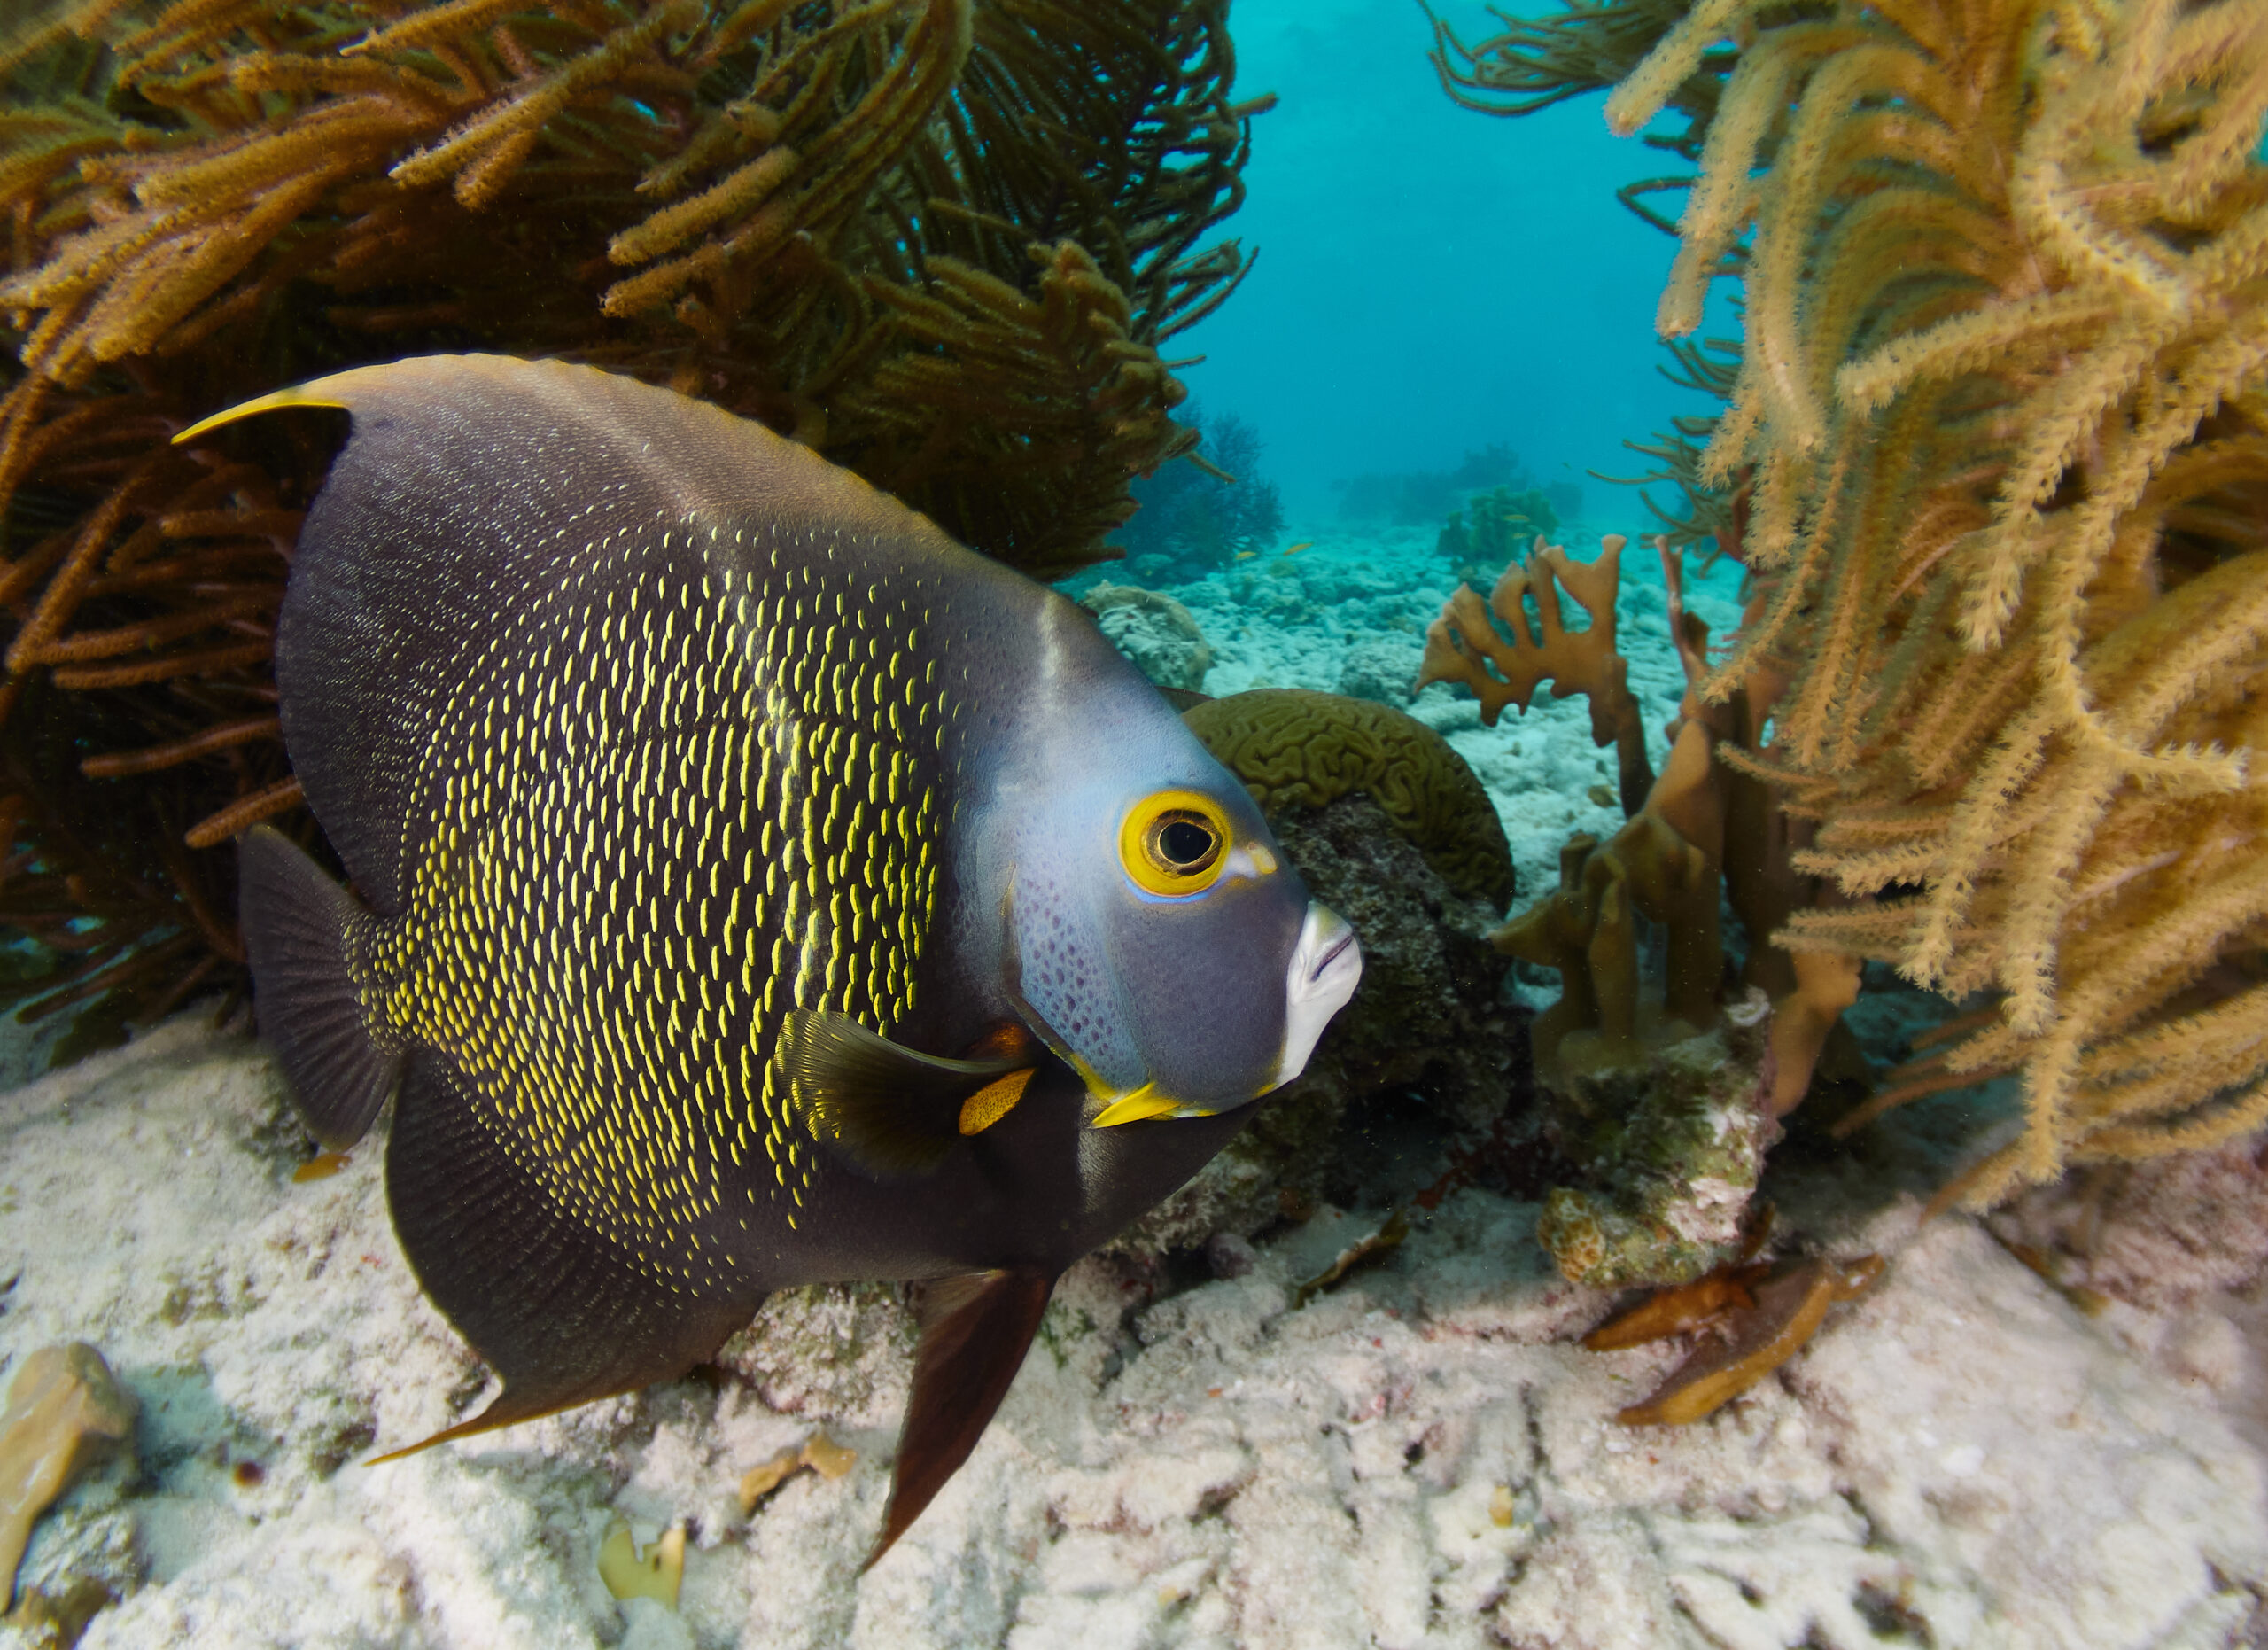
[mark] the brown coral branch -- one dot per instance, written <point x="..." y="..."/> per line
<point x="226" y="737"/>
<point x="242" y="815"/>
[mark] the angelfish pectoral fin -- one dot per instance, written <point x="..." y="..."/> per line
<point x="995" y="1101"/>
<point x="891" y="1110"/>
<point x="975" y="1333"/>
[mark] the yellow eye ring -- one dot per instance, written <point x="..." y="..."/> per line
<point x="1173" y="844"/>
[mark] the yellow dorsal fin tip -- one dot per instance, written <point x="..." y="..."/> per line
<point x="296" y="396"/>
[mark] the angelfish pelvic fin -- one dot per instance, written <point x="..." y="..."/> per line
<point x="296" y="923"/>
<point x="976" y="1330"/>
<point x="891" y="1110"/>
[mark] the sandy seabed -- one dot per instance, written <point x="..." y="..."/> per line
<point x="1418" y="1459"/>
<point x="1422" y="1458"/>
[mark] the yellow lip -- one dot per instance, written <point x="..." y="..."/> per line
<point x="1134" y="1106"/>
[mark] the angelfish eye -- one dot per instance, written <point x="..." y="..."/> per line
<point x="1173" y="843"/>
<point x="1183" y="843"/>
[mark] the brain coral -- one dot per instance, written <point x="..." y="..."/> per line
<point x="1296" y="748"/>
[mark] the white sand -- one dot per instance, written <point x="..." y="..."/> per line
<point x="1960" y="1455"/>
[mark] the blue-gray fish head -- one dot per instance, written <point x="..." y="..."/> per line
<point x="1159" y="939"/>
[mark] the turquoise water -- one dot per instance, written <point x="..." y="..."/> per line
<point x="1431" y="279"/>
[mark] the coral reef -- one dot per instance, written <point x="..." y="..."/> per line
<point x="2002" y="415"/>
<point x="1154" y="631"/>
<point x="1208" y="510"/>
<point x="1492" y="527"/>
<point x="1419" y="497"/>
<point x="938" y="241"/>
<point x="66" y="1413"/>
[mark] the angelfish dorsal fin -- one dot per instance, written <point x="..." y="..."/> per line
<point x="976" y="1330"/>
<point x="889" y="1110"/>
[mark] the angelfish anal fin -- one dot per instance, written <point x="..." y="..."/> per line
<point x="889" y="1110"/>
<point x="975" y="1333"/>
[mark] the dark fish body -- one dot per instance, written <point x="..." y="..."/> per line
<point x="729" y="849"/>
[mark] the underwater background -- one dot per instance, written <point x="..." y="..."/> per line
<point x="1533" y="1314"/>
<point x="1431" y="281"/>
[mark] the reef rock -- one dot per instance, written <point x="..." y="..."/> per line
<point x="1381" y="668"/>
<point x="1667" y="1148"/>
<point x="1154" y="631"/>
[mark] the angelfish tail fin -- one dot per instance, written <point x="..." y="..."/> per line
<point x="975" y="1333"/>
<point x="296" y="922"/>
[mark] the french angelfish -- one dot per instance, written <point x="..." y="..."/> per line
<point x="751" y="888"/>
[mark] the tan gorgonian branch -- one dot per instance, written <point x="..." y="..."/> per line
<point x="2003" y="402"/>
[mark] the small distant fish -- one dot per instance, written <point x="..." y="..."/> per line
<point x="1246" y="556"/>
<point x="753" y="888"/>
<point x="1296" y="549"/>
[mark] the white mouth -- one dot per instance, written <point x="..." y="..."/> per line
<point x="1327" y="965"/>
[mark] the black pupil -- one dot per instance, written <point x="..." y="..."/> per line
<point x="1185" y="842"/>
